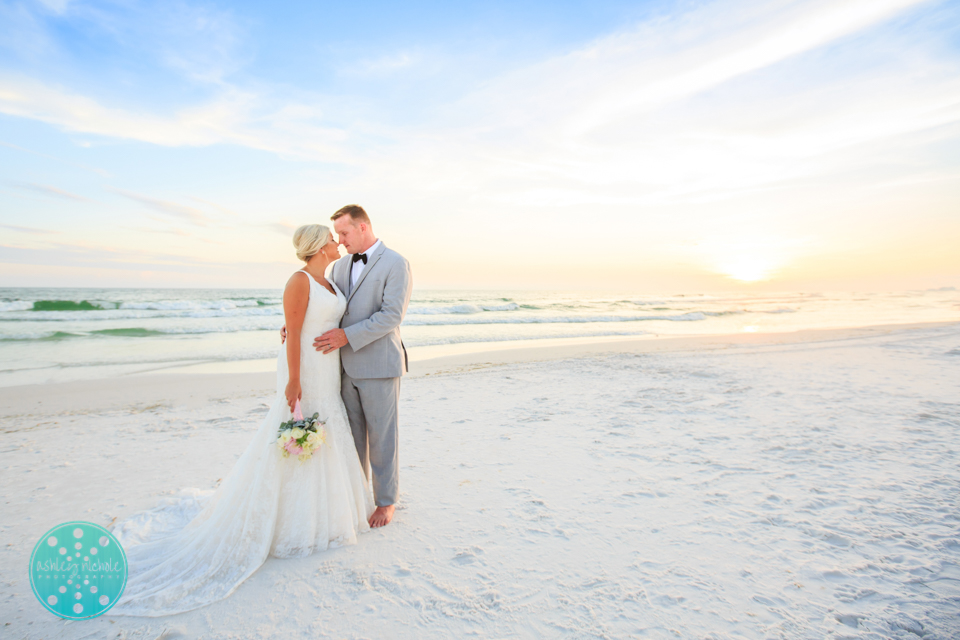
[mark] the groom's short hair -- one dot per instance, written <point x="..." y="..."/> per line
<point x="356" y="213"/>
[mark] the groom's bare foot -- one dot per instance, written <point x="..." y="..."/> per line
<point x="382" y="516"/>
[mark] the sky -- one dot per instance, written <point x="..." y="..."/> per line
<point x="645" y="146"/>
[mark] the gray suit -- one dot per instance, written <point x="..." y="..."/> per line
<point x="374" y="360"/>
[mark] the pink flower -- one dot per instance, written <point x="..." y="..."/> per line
<point x="292" y="448"/>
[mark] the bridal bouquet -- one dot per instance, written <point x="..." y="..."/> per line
<point x="301" y="437"/>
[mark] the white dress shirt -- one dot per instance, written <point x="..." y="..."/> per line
<point x="359" y="265"/>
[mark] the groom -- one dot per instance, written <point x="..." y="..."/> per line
<point x="377" y="282"/>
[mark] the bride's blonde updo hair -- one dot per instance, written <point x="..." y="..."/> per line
<point x="309" y="239"/>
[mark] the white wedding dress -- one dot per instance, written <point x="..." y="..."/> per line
<point x="198" y="548"/>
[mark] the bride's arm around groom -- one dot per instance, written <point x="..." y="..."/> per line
<point x="373" y="316"/>
<point x="377" y="300"/>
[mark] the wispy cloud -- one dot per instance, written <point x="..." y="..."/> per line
<point x="22" y="32"/>
<point x="214" y="205"/>
<point x="81" y="252"/>
<point x="283" y="228"/>
<point x="388" y="63"/>
<point x="174" y="231"/>
<point x="100" y="172"/>
<point x="137" y="268"/>
<point x="742" y="51"/>
<point x="200" y="41"/>
<point x="56" y="6"/>
<point x="184" y="212"/>
<point x="696" y="107"/>
<point x="234" y="117"/>
<point x="47" y="190"/>
<point x="30" y="230"/>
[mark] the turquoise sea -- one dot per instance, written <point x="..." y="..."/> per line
<point x="67" y="334"/>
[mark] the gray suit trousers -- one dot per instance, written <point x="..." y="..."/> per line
<point x="372" y="408"/>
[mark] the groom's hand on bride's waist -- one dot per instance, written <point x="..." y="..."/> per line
<point x="330" y="341"/>
<point x="283" y="334"/>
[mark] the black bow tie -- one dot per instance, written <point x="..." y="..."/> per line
<point x="357" y="257"/>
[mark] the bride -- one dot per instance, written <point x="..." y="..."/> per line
<point x="190" y="552"/>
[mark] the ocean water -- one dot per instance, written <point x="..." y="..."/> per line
<point x="49" y="335"/>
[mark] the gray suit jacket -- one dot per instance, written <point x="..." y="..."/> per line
<point x="375" y="309"/>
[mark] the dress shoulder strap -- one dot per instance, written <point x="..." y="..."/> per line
<point x="309" y="277"/>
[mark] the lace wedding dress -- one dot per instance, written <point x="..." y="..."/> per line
<point x="197" y="548"/>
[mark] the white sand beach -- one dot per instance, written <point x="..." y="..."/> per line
<point x="793" y="485"/>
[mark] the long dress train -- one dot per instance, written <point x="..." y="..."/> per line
<point x="194" y="550"/>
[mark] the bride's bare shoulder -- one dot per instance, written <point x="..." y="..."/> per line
<point x="298" y="284"/>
